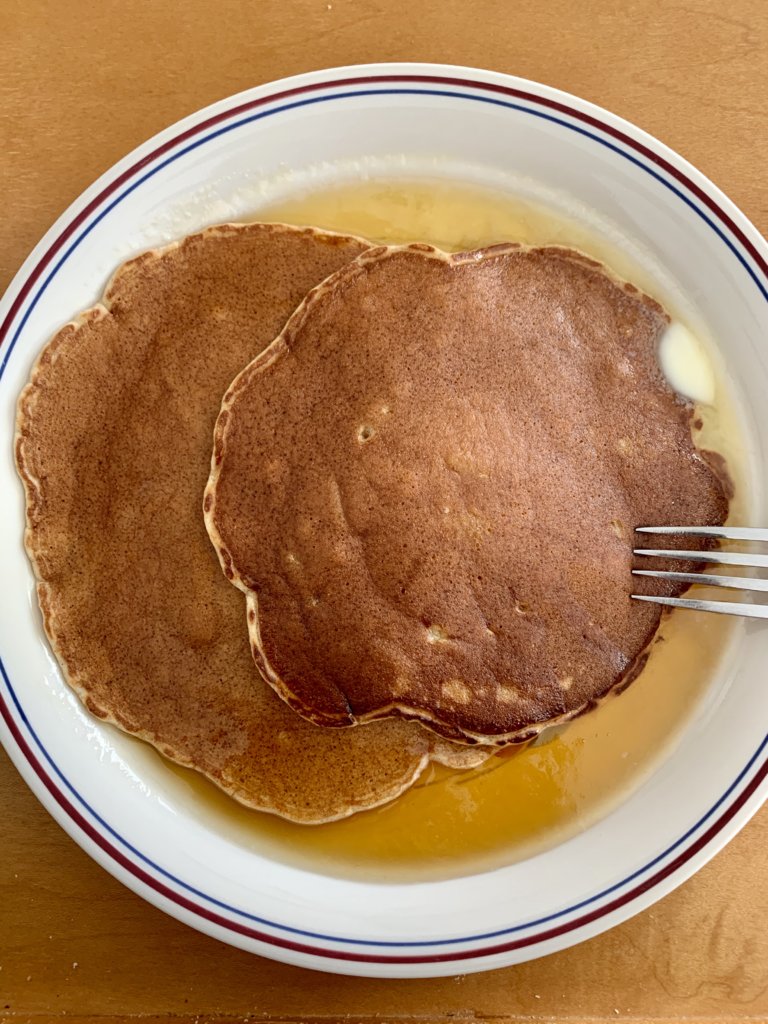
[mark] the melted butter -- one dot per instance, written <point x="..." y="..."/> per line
<point x="452" y="822"/>
<point x="686" y="364"/>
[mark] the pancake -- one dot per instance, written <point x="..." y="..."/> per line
<point x="113" y="445"/>
<point x="427" y="487"/>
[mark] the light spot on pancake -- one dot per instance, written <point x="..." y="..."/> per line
<point x="521" y="608"/>
<point x="618" y="528"/>
<point x="220" y="313"/>
<point x="446" y="510"/>
<point x="400" y="687"/>
<point x="291" y="559"/>
<point x="566" y="683"/>
<point x="489" y="631"/>
<point x="467" y="464"/>
<point x="313" y="601"/>
<point x="457" y="691"/>
<point x="385" y="410"/>
<point x="507" y="694"/>
<point x="365" y="433"/>
<point x="436" y="635"/>
<point x="305" y="528"/>
<point x="472" y="525"/>
<point x="624" y="445"/>
<point x="342" y="552"/>
<point x="275" y="470"/>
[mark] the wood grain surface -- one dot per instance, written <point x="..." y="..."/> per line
<point x="81" y="83"/>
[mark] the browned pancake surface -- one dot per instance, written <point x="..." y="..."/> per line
<point x="428" y="487"/>
<point x="114" y="440"/>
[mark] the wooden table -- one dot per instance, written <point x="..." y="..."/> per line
<point x="81" y="83"/>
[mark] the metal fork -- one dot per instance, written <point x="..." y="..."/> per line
<point x="716" y="557"/>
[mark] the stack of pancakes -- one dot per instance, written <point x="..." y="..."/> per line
<point x="424" y="476"/>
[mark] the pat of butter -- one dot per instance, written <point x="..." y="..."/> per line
<point x="686" y="365"/>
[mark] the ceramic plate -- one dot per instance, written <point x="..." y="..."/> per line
<point x="109" y="792"/>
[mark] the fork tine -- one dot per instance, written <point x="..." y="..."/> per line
<point x="734" y="582"/>
<point x="752" y="611"/>
<point x="724" y="532"/>
<point x="717" y="557"/>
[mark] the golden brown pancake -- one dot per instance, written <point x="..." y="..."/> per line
<point x="428" y="485"/>
<point x="113" y="444"/>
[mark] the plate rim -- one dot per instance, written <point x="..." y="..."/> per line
<point x="719" y="833"/>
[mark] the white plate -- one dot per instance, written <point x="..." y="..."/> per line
<point x="105" y="789"/>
